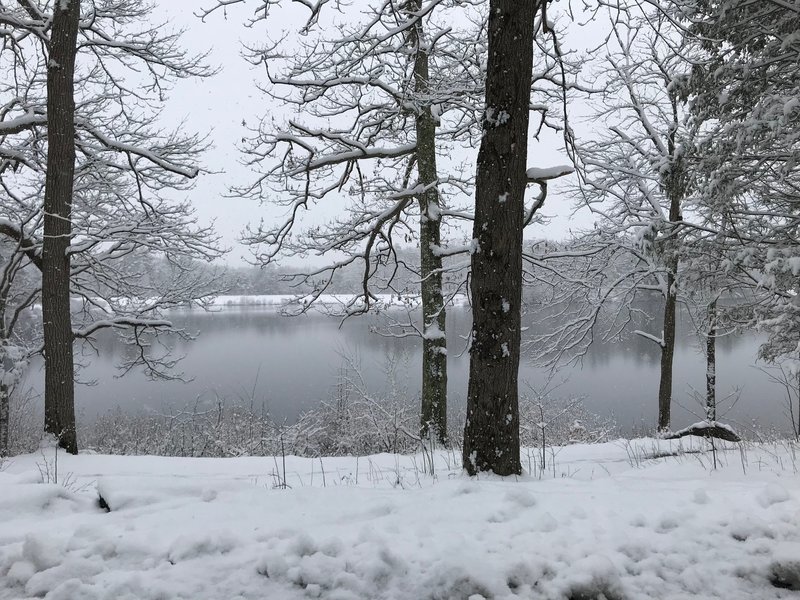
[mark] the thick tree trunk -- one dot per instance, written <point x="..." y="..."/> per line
<point x="675" y="186"/>
<point x="491" y="434"/>
<point x="667" y="355"/>
<point x="433" y="415"/>
<point x="59" y="391"/>
<point x="711" y="363"/>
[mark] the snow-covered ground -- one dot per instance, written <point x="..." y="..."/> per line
<point x="606" y="520"/>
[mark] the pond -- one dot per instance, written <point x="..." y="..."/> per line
<point x="289" y="364"/>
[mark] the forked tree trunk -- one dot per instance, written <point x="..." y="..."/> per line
<point x="59" y="391"/>
<point x="491" y="434"/>
<point x="433" y="414"/>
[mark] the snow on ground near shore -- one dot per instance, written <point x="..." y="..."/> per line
<point x="611" y="521"/>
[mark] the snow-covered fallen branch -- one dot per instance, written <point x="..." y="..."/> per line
<point x="713" y="429"/>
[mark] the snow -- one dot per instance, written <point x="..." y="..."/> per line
<point x="604" y="519"/>
<point x="702" y="426"/>
<point x="432" y="332"/>
<point x="436" y="113"/>
<point x="658" y="340"/>
<point x="546" y="173"/>
<point x="495" y="117"/>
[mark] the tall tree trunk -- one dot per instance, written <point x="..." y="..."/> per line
<point x="491" y="434"/>
<point x="59" y="390"/>
<point x="711" y="363"/>
<point x="4" y="417"/>
<point x="675" y="186"/>
<point x="667" y="354"/>
<point x="6" y="367"/>
<point x="433" y="415"/>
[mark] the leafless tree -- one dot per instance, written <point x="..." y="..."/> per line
<point x="382" y="101"/>
<point x="107" y="174"/>
<point x="634" y="179"/>
<point x="17" y="293"/>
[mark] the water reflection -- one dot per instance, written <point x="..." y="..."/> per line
<point x="291" y="364"/>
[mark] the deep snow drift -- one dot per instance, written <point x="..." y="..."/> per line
<point x="607" y="521"/>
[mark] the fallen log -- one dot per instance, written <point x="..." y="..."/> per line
<point x="706" y="429"/>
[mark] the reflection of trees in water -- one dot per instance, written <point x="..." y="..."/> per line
<point x="233" y="342"/>
<point x="269" y="323"/>
<point x="225" y="326"/>
<point x="635" y="348"/>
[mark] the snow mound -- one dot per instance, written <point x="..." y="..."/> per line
<point x="773" y="493"/>
<point x="594" y="578"/>
<point x="187" y="547"/>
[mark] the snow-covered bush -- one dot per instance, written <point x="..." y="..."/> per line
<point x="24" y="423"/>
<point x="356" y="425"/>
<point x="550" y="420"/>
<point x="197" y="430"/>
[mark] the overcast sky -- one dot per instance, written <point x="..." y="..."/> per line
<point x="218" y="106"/>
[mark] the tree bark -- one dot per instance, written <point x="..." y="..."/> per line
<point x="491" y="434"/>
<point x="711" y="363"/>
<point x="674" y="185"/>
<point x="433" y="414"/>
<point x="59" y="391"/>
<point x="4" y="417"/>
<point x="667" y="354"/>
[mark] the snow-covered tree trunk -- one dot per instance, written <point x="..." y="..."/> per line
<point x="433" y="416"/>
<point x="4" y="417"/>
<point x="673" y="181"/>
<point x="491" y="434"/>
<point x="667" y="354"/>
<point x="711" y="363"/>
<point x="5" y="370"/>
<point x="59" y="391"/>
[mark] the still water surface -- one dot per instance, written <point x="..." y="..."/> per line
<point x="290" y="364"/>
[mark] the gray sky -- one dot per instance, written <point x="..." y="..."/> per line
<point x="218" y="106"/>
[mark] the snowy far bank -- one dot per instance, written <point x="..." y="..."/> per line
<point x="275" y="300"/>
<point x="383" y="300"/>
<point x="624" y="519"/>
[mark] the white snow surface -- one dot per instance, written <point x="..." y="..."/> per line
<point x="607" y="521"/>
<point x="546" y="173"/>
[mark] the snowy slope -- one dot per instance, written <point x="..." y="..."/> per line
<point x="611" y="521"/>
